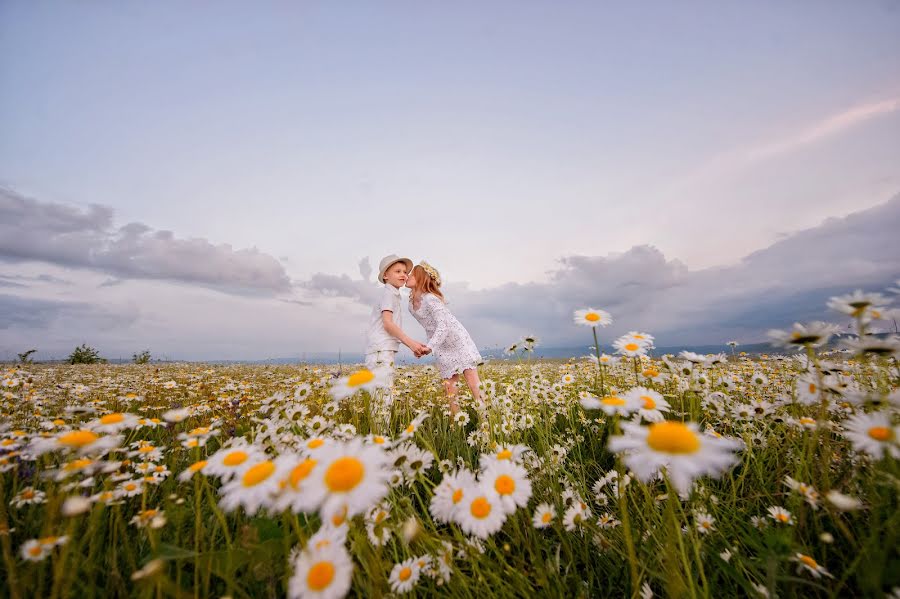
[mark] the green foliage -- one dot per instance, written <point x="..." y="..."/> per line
<point x="141" y="358"/>
<point x="85" y="354"/>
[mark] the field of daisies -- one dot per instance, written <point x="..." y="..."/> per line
<point x="622" y="473"/>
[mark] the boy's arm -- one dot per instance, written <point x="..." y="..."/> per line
<point x="387" y="318"/>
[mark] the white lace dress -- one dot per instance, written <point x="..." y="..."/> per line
<point x="453" y="348"/>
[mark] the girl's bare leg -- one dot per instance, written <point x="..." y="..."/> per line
<point x="472" y="381"/>
<point x="450" y="388"/>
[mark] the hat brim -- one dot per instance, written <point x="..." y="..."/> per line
<point x="406" y="261"/>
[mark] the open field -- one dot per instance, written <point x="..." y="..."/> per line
<point x="259" y="481"/>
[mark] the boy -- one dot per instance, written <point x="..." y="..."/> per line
<point x="384" y="334"/>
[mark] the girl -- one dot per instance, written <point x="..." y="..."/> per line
<point x="453" y="348"/>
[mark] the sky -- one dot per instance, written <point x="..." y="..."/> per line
<point x="215" y="181"/>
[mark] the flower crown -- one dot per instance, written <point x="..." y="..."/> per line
<point x="432" y="271"/>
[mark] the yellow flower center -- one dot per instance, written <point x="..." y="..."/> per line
<point x="112" y="418"/>
<point x="411" y="428"/>
<point x="649" y="404"/>
<point x="807" y="420"/>
<point x="35" y="550"/>
<point x="59" y="422"/>
<point x="592" y="317"/>
<point x="27" y="494"/>
<point x="301" y="471"/>
<point x="809" y="561"/>
<point x="320" y="576"/>
<point x="235" y="458"/>
<point x="315" y="443"/>
<point x="632" y="346"/>
<point x="78" y="438"/>
<point x="672" y="437"/>
<point x="504" y="485"/>
<point x="651" y="372"/>
<point x="197" y="466"/>
<point x="880" y="433"/>
<point x="504" y="455"/>
<point x="258" y="473"/>
<point x="77" y="464"/>
<point x="200" y="430"/>
<point x="812" y="387"/>
<point x="146" y="449"/>
<point x="360" y="377"/>
<point x="344" y="474"/>
<point x="546" y="517"/>
<point x="782" y="517"/>
<point x="613" y="400"/>
<point x="457" y="496"/>
<point x="480" y="508"/>
<point x="379" y="440"/>
<point x="405" y="573"/>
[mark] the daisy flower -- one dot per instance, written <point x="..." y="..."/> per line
<point x="704" y="522"/>
<point x="651" y="404"/>
<point x="35" y="550"/>
<point x="576" y="515"/>
<point x="780" y="515"/>
<point x="28" y="496"/>
<point x="82" y="442"/>
<point x="232" y="460"/>
<point x="405" y="575"/>
<point x="808" y="564"/>
<point x="480" y="512"/>
<point x="590" y="317"/>
<point x="114" y="423"/>
<point x="254" y="487"/>
<point x="449" y="493"/>
<point x="844" y="503"/>
<point x="510" y="482"/>
<point x="324" y="571"/>
<point x="543" y="515"/>
<point x="873" y="434"/>
<point x="361" y="380"/>
<point x="814" y="334"/>
<point x="350" y="476"/>
<point x="191" y="470"/>
<point x="675" y="447"/>
<point x="615" y="405"/>
<point x="858" y="304"/>
<point x="630" y="347"/>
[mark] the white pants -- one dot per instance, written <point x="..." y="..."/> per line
<point x="384" y="359"/>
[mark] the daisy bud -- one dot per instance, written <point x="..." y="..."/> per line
<point x="826" y="537"/>
<point x="73" y="506"/>
<point x="411" y="529"/>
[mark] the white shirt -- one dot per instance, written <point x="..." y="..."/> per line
<point x="378" y="339"/>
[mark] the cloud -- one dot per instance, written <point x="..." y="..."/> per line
<point x="33" y="313"/>
<point x="31" y="230"/>
<point x="789" y="280"/>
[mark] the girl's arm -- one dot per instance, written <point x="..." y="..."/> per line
<point x="439" y="312"/>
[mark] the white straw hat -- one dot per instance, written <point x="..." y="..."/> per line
<point x="386" y="263"/>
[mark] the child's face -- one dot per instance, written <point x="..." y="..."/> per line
<point x="396" y="274"/>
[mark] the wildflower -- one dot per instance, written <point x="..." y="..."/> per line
<point x="808" y="492"/>
<point x="616" y="405"/>
<point x="114" y="423"/>
<point x="350" y="476"/>
<point x="191" y="470"/>
<point x="323" y="571"/>
<point x="28" y="496"/>
<point x="361" y="380"/>
<point x="676" y="447"/>
<point x="844" y="503"/>
<point x="592" y="318"/>
<point x="814" y="334"/>
<point x="35" y="550"/>
<point x="154" y="518"/>
<point x="151" y="568"/>
<point x="780" y="515"/>
<point x="231" y="461"/>
<point x="630" y="347"/>
<point x="449" y="493"/>
<point x="808" y="564"/>
<point x="75" y="505"/>
<point x="82" y="442"/>
<point x="704" y="522"/>
<point x="480" y="512"/>
<point x="253" y="488"/>
<point x="651" y="404"/>
<point x="543" y="515"/>
<point x="510" y="482"/>
<point x="873" y="434"/>
<point x="875" y="346"/>
<point x="858" y="304"/>
<point x="404" y="576"/>
<point x="576" y="515"/>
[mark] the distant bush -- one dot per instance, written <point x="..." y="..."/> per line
<point x="25" y="357"/>
<point x="141" y="358"/>
<point x="84" y="354"/>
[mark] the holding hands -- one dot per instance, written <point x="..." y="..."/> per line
<point x="419" y="349"/>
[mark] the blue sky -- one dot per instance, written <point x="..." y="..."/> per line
<point x="493" y="139"/>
